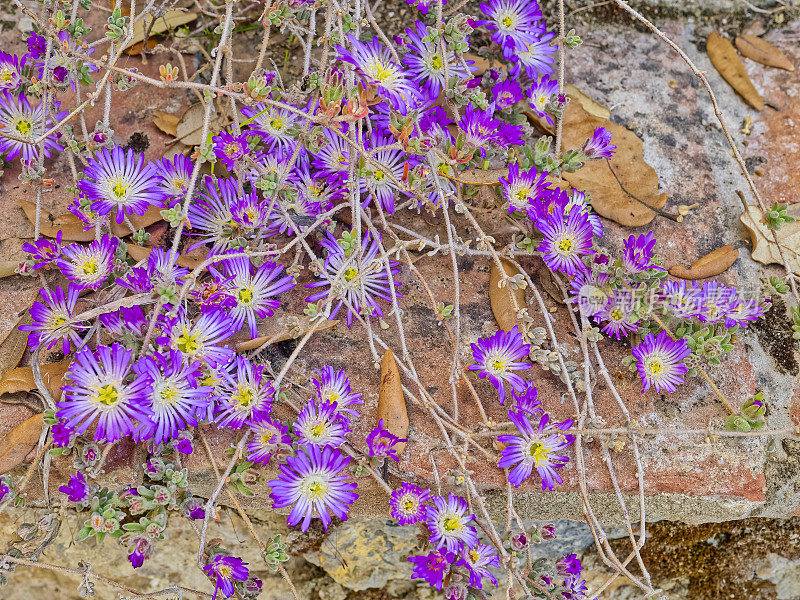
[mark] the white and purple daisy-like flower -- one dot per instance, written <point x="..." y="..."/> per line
<point x="125" y="321"/>
<point x="175" y="174"/>
<point x="498" y="356"/>
<point x="334" y="386"/>
<point x="383" y="443"/>
<point x="225" y="570"/>
<point x="380" y="183"/>
<point x="274" y="124"/>
<point x="120" y="181"/>
<point x="619" y="314"/>
<point x="428" y="67"/>
<point x="637" y="253"/>
<point x="477" y="559"/>
<point x="537" y="57"/>
<point x="244" y="395"/>
<point x="577" y="200"/>
<point x="660" y="361"/>
<point x="319" y="424"/>
<point x="198" y="338"/>
<point x="480" y="128"/>
<point x="89" y="266"/>
<point x="332" y="160"/>
<point x="253" y="290"/>
<point x="565" y="241"/>
<point x="230" y="149"/>
<point x="716" y="302"/>
<point x="315" y="482"/>
<point x="10" y="71"/>
<point x="449" y="523"/>
<point x="409" y="503"/>
<point x="590" y="291"/>
<point x="293" y="215"/>
<point x="514" y="23"/>
<point x="26" y="123"/>
<point x="680" y="298"/>
<point x="100" y="391"/>
<point x="536" y="447"/>
<point x="173" y="395"/>
<point x="521" y="187"/>
<point x="52" y="319"/>
<point x="44" y="252"/>
<point x="368" y="280"/>
<point x="539" y="95"/>
<point x="599" y="145"/>
<point x="528" y="399"/>
<point x="374" y="64"/>
<point x="507" y="94"/>
<point x="746" y="311"/>
<point x="270" y="437"/>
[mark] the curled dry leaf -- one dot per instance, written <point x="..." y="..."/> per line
<point x="13" y="346"/>
<point x="169" y="20"/>
<point x="21" y="379"/>
<point x="502" y="298"/>
<point x="18" y="442"/>
<point x="621" y="187"/>
<point x="715" y="262"/>
<point x="391" y="402"/>
<point x="725" y="60"/>
<point x="280" y="327"/>
<point x="190" y="127"/>
<point x="765" y="250"/>
<point x="166" y="122"/>
<point x="761" y="51"/>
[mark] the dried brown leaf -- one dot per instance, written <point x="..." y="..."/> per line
<point x="18" y="442"/>
<point x="190" y="128"/>
<point x="280" y="327"/>
<point x="139" y="253"/>
<point x="166" y="122"/>
<point x="589" y="105"/>
<point x="761" y="51"/>
<point x="20" y="379"/>
<point x="715" y="262"/>
<point x="502" y="298"/>
<point x="169" y="20"/>
<point x="725" y="60"/>
<point x="621" y="187"/>
<point x="765" y="250"/>
<point x="391" y="402"/>
<point x="13" y="346"/>
<point x="136" y="49"/>
<point x="8" y="268"/>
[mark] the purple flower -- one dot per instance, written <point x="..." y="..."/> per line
<point x="660" y="361"/>
<point x="577" y="201"/>
<point x="76" y="489"/>
<point x="480" y="128"/>
<point x="10" y="71"/>
<point x="379" y="183"/>
<point x="139" y="551"/>
<point x="569" y="565"/>
<point x="4" y="490"/>
<point x="273" y="124"/>
<point x="428" y="67"/>
<point x="175" y="174"/>
<point x="521" y="187"/>
<point x="89" y="266"/>
<point x="226" y="570"/>
<point x="60" y="74"/>
<point x="99" y="392"/>
<point x="423" y="5"/>
<point x="198" y="338"/>
<point x="184" y="446"/>
<point x="314" y="481"/>
<point x="680" y="298"/>
<point x="539" y="95"/>
<point x="173" y="395"/>
<point x="253" y="290"/>
<point x="374" y="64"/>
<point x="448" y="521"/>
<point x="507" y="94"/>
<point x="476" y="560"/>
<point x="620" y="314"/>
<point x="638" y="252"/>
<point x="245" y="394"/>
<point x="370" y="277"/>
<point x="746" y="311"/>
<point x="319" y="424"/>
<point x="120" y="181"/>
<point x="269" y="437"/>
<point x="25" y="122"/>
<point x="381" y="442"/>
<point x="432" y="567"/>
<point x="37" y="45"/>
<point x="590" y="291"/>
<point x="534" y="447"/>
<point x="497" y="356"/>
<point x="125" y="321"/>
<point x="515" y="23"/>
<point x="716" y="302"/>
<point x="565" y="241"/>
<point x="52" y="319"/>
<point x="230" y="149"/>
<point x="527" y="400"/>
<point x="332" y="160"/>
<point x="536" y="58"/>
<point x="334" y="386"/>
<point x="599" y="145"/>
<point x="44" y="252"/>
<point x="408" y="504"/>
<point x="574" y="588"/>
<point x="61" y="434"/>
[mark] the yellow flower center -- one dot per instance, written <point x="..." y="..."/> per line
<point x="277" y="124"/>
<point x="90" y="266"/>
<point x="6" y="75"/>
<point x="120" y="189"/>
<point x="499" y="364"/>
<point x="316" y="489"/>
<point x="566" y="245"/>
<point x="108" y="395"/>
<point x="539" y="453"/>
<point x="244" y="397"/>
<point x="246" y="296"/>
<point x="452" y="523"/>
<point x="319" y="429"/>
<point x="350" y="274"/>
<point x="187" y="342"/>
<point x="507" y="21"/>
<point x="436" y="62"/>
<point x="23" y="127"/>
<point x="379" y="175"/>
<point x="654" y="367"/>
<point x="168" y="395"/>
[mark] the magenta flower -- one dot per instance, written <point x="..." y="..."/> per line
<point x="10" y="71"/>
<point x="716" y="302"/>
<point x="680" y="298"/>
<point x="660" y="361"/>
<point x="591" y="292"/>
<point x="89" y="266"/>
<point x="522" y="187"/>
<point x="537" y="58"/>
<point x="245" y="394"/>
<point x="273" y="124"/>
<point x="269" y="437"/>
<point x="409" y="503"/>
<point x="565" y="241"/>
<point x="527" y="400"/>
<point x="428" y="67"/>
<point x="599" y="145"/>
<point x="498" y="356"/>
<point x="100" y="392"/>
<point x="52" y="319"/>
<point x="381" y="442"/>
<point x="20" y="119"/>
<point x="539" y="95"/>
<point x="433" y="567"/>
<point x="76" y="489"/>
<point x="198" y="338"/>
<point x="476" y="560"/>
<point x="507" y="94"/>
<point x="226" y="570"/>
<point x="569" y="565"/>
<point x="535" y="447"/>
<point x="515" y="23"/>
<point x="115" y="180"/>
<point x="481" y="128"/>
<point x="619" y="314"/>
<point x="230" y="149"/>
<point x="334" y="386"/>
<point x="319" y="424"/>
<point x="315" y="482"/>
<point x="139" y="550"/>
<point x="637" y="253"/>
<point x="44" y="252"/>
<point x="448" y="521"/>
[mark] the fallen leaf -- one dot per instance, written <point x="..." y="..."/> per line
<point x="166" y="122"/>
<point x="13" y="346"/>
<point x="765" y="250"/>
<point x="725" y="60"/>
<point x="139" y="253"/>
<point x="589" y="105"/>
<point x="761" y="51"/>
<point x="621" y="187"/>
<point x="169" y="20"/>
<point x="501" y="299"/>
<point x="8" y="268"/>
<point x="391" y="402"/>
<point x="715" y="262"/>
<point x="550" y="286"/>
<point x="20" y="379"/>
<point x="280" y="327"/>
<point x="136" y="49"/>
<point x="190" y="128"/>
<point x="18" y="442"/>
